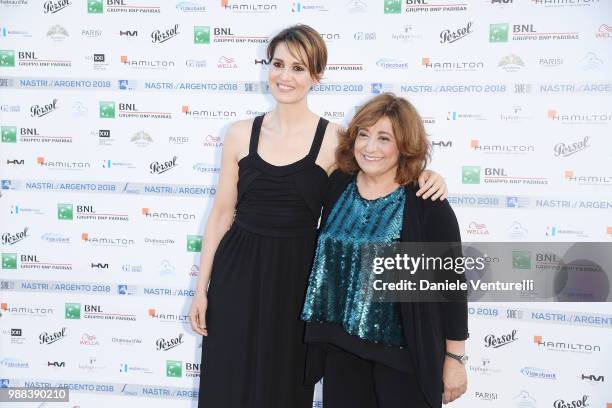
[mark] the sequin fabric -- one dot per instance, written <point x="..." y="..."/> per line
<point x="338" y="289"/>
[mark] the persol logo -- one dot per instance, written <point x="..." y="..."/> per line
<point x="38" y="111"/>
<point x="10" y="239"/>
<point x="49" y="338"/>
<point x="162" y="167"/>
<point x="448" y="36"/>
<point x="159" y="36"/>
<point x="55" y="6"/>
<point x="580" y="403"/>
<point x="165" y="345"/>
<point x="494" y="341"/>
<point x="564" y="150"/>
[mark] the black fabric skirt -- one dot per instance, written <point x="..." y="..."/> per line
<point x="254" y="355"/>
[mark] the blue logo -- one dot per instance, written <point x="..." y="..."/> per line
<point x="6" y="184"/>
<point x="534" y="372"/>
<point x="123" y="84"/>
<point x="512" y="202"/>
<point x="126" y="290"/>
<point x="377" y="87"/>
<point x="4" y="382"/>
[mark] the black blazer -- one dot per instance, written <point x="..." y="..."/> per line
<point x="426" y="325"/>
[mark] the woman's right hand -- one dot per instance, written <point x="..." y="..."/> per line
<point x="197" y="314"/>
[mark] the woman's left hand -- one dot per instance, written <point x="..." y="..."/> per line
<point x="432" y="184"/>
<point x="455" y="380"/>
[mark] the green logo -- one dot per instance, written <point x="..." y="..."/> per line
<point x="9" y="134"/>
<point x="174" y="368"/>
<point x="498" y="32"/>
<point x="65" y="212"/>
<point x="521" y="260"/>
<point x="107" y="110"/>
<point x="7" y="58"/>
<point x="201" y="35"/>
<point x="72" y="311"/>
<point x="470" y="175"/>
<point x="9" y="261"/>
<point x="94" y="7"/>
<point x="393" y="6"/>
<point x="194" y="243"/>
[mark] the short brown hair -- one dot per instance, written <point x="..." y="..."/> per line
<point x="408" y="130"/>
<point x="302" y="38"/>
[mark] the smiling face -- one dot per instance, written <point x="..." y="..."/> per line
<point x="376" y="150"/>
<point x="288" y="76"/>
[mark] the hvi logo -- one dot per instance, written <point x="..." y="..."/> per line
<point x="592" y="378"/>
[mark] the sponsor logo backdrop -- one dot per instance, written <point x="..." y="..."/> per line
<point x="112" y="119"/>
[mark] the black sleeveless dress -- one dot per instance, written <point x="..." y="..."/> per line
<point x="254" y="355"/>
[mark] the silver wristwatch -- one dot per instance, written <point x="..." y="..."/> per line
<point x="462" y="359"/>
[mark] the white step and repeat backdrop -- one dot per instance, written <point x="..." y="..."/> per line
<point x="113" y="114"/>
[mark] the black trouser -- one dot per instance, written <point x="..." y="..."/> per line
<point x="351" y="381"/>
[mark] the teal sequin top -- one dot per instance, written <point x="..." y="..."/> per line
<point x="336" y="285"/>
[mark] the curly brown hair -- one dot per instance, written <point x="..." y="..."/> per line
<point x="408" y="129"/>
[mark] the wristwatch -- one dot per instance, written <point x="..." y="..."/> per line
<point x="462" y="359"/>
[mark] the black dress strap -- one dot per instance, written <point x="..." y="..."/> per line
<point x="255" y="130"/>
<point x="318" y="139"/>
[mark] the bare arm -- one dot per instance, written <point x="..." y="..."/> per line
<point x="219" y="220"/>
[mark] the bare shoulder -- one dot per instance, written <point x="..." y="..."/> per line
<point x="327" y="154"/>
<point x="236" y="140"/>
<point x="332" y="136"/>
